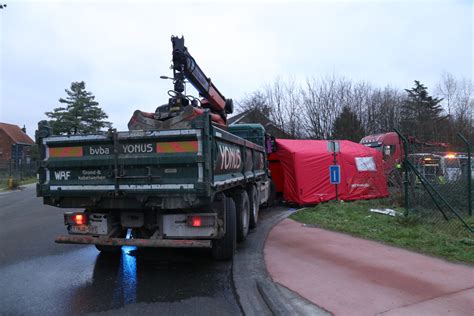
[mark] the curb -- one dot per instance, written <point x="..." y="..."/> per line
<point x="272" y="297"/>
<point x="248" y="268"/>
<point x="254" y="287"/>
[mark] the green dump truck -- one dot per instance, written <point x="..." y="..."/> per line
<point x="201" y="186"/>
<point x="178" y="178"/>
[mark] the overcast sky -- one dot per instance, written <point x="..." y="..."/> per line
<point x="121" y="48"/>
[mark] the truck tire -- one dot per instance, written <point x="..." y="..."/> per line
<point x="242" y="206"/>
<point x="109" y="249"/>
<point x="224" y="248"/>
<point x="254" y="206"/>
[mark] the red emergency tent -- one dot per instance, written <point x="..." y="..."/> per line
<point x="306" y="180"/>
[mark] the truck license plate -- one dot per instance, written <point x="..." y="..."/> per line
<point x="84" y="229"/>
<point x="97" y="225"/>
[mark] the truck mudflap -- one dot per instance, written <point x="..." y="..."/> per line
<point x="157" y="243"/>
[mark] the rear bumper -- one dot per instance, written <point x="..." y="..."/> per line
<point x="164" y="243"/>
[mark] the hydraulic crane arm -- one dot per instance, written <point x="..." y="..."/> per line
<point x="185" y="67"/>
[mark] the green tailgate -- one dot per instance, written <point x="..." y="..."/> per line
<point x="124" y="163"/>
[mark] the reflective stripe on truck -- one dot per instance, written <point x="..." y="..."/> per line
<point x="123" y="187"/>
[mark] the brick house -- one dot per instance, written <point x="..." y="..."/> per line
<point x="15" y="145"/>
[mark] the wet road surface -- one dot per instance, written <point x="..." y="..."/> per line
<point x="39" y="277"/>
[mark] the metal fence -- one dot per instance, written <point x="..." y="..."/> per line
<point x="435" y="185"/>
<point x="16" y="171"/>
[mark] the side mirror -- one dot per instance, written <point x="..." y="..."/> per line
<point x="274" y="144"/>
<point x="270" y="144"/>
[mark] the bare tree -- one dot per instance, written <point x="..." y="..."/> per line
<point x="447" y="90"/>
<point x="285" y="101"/>
<point x="323" y="100"/>
<point x="255" y="100"/>
<point x="310" y="110"/>
<point x="275" y="94"/>
<point x="293" y="108"/>
<point x="387" y="104"/>
<point x="458" y="101"/>
<point x="313" y="116"/>
<point x="464" y="108"/>
<point x="361" y="96"/>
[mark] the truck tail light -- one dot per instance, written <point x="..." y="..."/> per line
<point x="75" y="219"/>
<point x="79" y="219"/>
<point x="200" y="221"/>
<point x="195" y="221"/>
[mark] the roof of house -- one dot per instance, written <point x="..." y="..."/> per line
<point x="250" y="116"/>
<point x="16" y="134"/>
<point x="256" y="116"/>
<point x="237" y="118"/>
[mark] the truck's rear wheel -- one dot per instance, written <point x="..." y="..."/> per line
<point x="242" y="205"/>
<point x="254" y="206"/>
<point x="224" y="248"/>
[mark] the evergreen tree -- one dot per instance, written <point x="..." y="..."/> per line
<point x="81" y="113"/>
<point x="347" y="126"/>
<point x="421" y="113"/>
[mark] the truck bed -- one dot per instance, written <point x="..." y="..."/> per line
<point x="168" y="169"/>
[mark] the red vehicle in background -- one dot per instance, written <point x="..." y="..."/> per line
<point x="392" y="149"/>
<point x="389" y="144"/>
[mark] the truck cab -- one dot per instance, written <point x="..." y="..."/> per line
<point x="389" y="145"/>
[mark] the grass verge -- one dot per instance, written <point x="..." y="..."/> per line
<point x="445" y="241"/>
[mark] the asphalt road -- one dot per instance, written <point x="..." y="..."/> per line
<point x="39" y="277"/>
